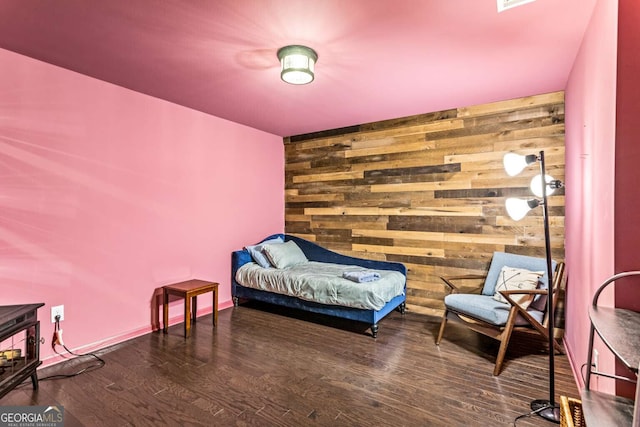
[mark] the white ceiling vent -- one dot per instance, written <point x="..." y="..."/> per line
<point x="508" y="4"/>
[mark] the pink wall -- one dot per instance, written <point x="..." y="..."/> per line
<point x="108" y="194"/>
<point x="590" y="162"/>
<point x="627" y="217"/>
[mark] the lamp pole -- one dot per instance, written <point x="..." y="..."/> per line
<point x="548" y="409"/>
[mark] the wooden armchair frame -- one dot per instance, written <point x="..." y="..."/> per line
<point x="502" y="333"/>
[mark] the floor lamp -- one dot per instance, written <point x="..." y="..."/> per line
<point x="517" y="209"/>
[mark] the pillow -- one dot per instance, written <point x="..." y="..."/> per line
<point x="285" y="255"/>
<point x="257" y="254"/>
<point x="516" y="278"/>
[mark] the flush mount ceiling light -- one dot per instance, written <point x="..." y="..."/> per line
<point x="297" y="64"/>
<point x="508" y="4"/>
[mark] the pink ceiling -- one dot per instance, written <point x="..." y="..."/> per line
<point x="378" y="59"/>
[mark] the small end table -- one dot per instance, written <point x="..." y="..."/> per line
<point x="189" y="290"/>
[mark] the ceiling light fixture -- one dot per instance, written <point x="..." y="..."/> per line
<point x="508" y="4"/>
<point x="297" y="64"/>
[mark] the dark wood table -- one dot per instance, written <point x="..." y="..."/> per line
<point x="189" y="290"/>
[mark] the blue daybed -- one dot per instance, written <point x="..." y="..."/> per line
<point x="314" y="252"/>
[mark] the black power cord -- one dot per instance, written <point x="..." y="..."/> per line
<point x="57" y="340"/>
<point x="100" y="363"/>
<point x="529" y="414"/>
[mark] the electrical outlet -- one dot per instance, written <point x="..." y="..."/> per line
<point x="596" y="364"/>
<point x="58" y="310"/>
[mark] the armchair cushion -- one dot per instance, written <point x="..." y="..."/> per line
<point x="501" y="259"/>
<point x="485" y="308"/>
<point x="516" y="279"/>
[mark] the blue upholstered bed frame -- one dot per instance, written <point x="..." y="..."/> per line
<point x="314" y="252"/>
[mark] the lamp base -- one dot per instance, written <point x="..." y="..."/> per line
<point x="548" y="411"/>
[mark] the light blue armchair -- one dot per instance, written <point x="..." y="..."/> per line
<point x="525" y="308"/>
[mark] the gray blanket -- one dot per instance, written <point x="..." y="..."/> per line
<point x="323" y="283"/>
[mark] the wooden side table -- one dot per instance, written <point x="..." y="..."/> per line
<point x="189" y="290"/>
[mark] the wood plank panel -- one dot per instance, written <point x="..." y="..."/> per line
<point x="329" y="176"/>
<point x="386" y="149"/>
<point x="304" y="198"/>
<point x="552" y="98"/>
<point x="428" y="190"/>
<point x="422" y="211"/>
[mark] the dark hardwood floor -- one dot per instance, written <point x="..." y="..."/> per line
<point x="258" y="368"/>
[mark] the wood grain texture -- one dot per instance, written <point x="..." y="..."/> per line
<point x="265" y="367"/>
<point x="428" y="190"/>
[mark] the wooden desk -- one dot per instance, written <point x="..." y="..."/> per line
<point x="189" y="290"/>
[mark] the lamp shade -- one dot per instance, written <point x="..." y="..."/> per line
<point x="515" y="163"/>
<point x="518" y="208"/>
<point x="297" y="64"/>
<point x="536" y="185"/>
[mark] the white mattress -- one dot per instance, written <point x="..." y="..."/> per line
<point x="323" y="283"/>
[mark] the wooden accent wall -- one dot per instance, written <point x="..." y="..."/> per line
<point x="428" y="190"/>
